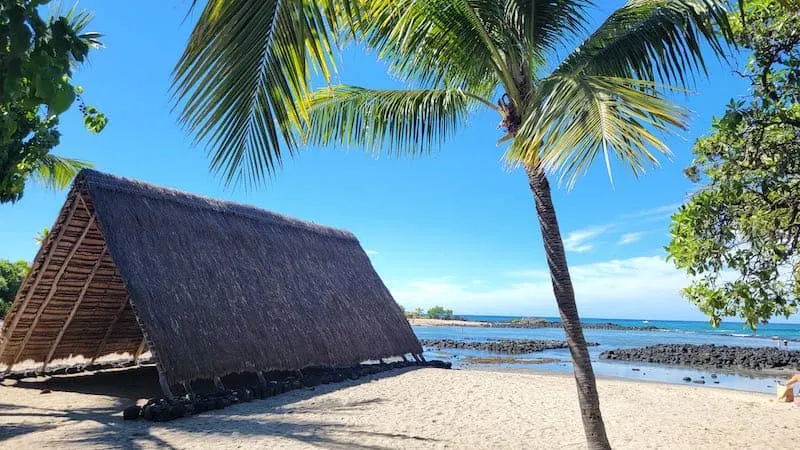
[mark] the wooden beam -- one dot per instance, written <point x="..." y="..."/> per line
<point x="162" y="380"/>
<point x="74" y="309"/>
<point x="52" y="242"/>
<point x="140" y="350"/>
<point x="218" y="384"/>
<point x="108" y="331"/>
<point x="53" y="288"/>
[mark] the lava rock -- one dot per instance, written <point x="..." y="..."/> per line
<point x="512" y="346"/>
<point x="708" y="356"/>
<point x="131" y="412"/>
<point x="532" y="322"/>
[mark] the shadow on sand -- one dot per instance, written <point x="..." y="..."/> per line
<point x="126" y="386"/>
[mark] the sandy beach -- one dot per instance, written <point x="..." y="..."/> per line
<point x="447" y="323"/>
<point x="414" y="408"/>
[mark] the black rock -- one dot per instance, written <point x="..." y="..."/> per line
<point x="709" y="356"/>
<point x="244" y="395"/>
<point x="687" y="378"/>
<point x="699" y="381"/>
<point x="162" y="414"/>
<point x="512" y="346"/>
<point x="132" y="412"/>
<point x="147" y="412"/>
<point x="178" y="410"/>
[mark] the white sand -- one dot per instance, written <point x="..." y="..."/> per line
<point x="446" y="323"/>
<point x="424" y="408"/>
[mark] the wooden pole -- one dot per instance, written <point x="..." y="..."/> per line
<point x="53" y="242"/>
<point x="53" y="288"/>
<point x="74" y="310"/>
<point x="108" y="331"/>
<point x="162" y="380"/>
<point x="218" y="384"/>
<point x="139" y="350"/>
<point x="187" y="387"/>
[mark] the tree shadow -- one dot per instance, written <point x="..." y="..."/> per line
<point x="125" y="386"/>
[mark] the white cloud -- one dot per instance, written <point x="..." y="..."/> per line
<point x="630" y="238"/>
<point x="372" y="252"/>
<point x="639" y="287"/>
<point x="657" y="212"/>
<point x="579" y="241"/>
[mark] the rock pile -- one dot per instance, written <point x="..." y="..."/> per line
<point x="709" y="356"/>
<point x="514" y="347"/>
<point x="162" y="410"/>
<point x="531" y="322"/>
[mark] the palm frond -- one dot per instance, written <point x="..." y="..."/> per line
<point x="654" y="40"/>
<point x="582" y="117"/>
<point x="396" y="121"/>
<point x="79" y="20"/>
<point x="56" y="172"/>
<point x="435" y="43"/>
<point x="545" y="24"/>
<point x="241" y="81"/>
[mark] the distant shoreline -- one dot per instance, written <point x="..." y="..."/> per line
<point x="524" y="323"/>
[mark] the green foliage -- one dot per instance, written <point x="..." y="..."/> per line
<point x="42" y="236"/>
<point x="439" y="312"/>
<point x="417" y="313"/>
<point x="37" y="57"/>
<point x="739" y="234"/>
<point x="11" y="276"/>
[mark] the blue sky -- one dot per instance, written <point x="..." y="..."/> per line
<point x="455" y="228"/>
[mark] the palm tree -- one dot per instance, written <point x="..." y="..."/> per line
<point x="243" y="86"/>
<point x="42" y="236"/>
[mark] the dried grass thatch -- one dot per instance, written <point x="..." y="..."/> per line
<point x="209" y="287"/>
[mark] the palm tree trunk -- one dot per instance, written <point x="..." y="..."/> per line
<point x="565" y="297"/>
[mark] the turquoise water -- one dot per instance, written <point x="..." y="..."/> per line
<point x="675" y="332"/>
<point x="780" y="330"/>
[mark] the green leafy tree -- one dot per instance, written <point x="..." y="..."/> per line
<point x="439" y="312"/>
<point x="243" y="88"/>
<point x="11" y="276"/>
<point x="739" y="234"/>
<point x="36" y="64"/>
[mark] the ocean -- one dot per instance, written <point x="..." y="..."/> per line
<point x="674" y="332"/>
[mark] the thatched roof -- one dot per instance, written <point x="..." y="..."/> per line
<point x="209" y="287"/>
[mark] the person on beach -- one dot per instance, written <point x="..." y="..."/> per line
<point x="788" y="394"/>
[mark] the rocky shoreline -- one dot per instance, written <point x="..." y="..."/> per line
<point x="542" y="323"/>
<point x="710" y="356"/>
<point x="510" y="346"/>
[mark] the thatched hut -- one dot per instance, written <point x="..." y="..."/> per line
<point x="208" y="287"/>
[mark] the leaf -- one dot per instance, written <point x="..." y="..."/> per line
<point x="62" y="98"/>
<point x="397" y="121"/>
